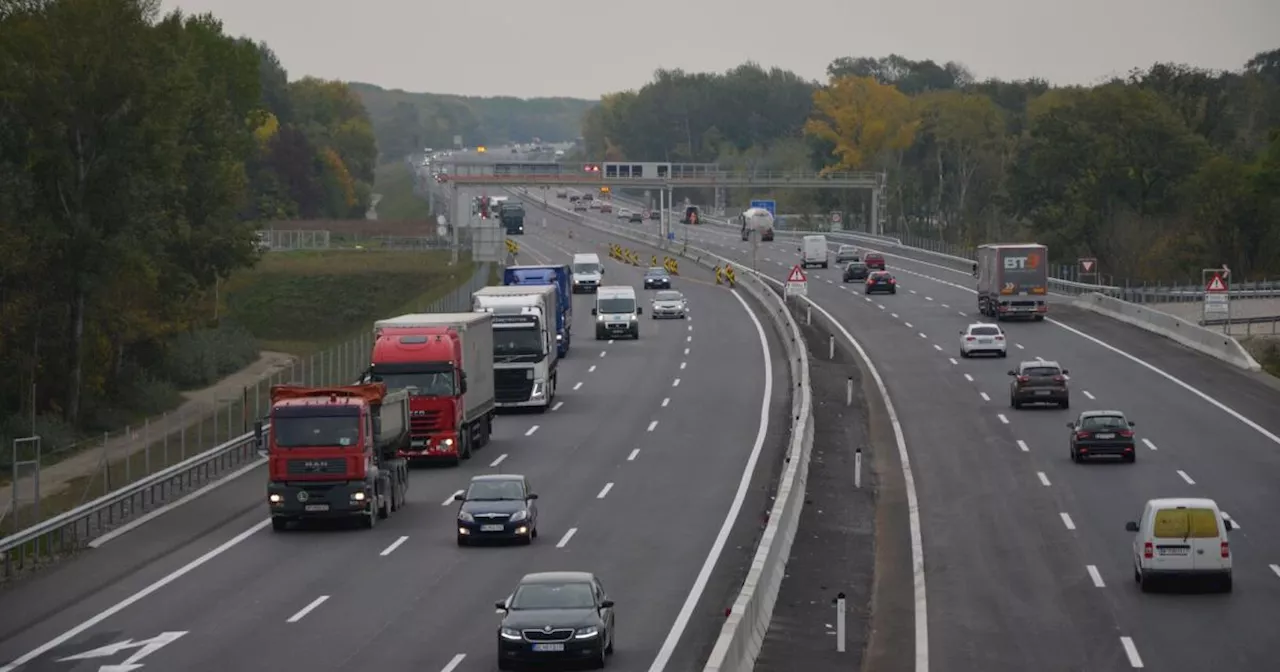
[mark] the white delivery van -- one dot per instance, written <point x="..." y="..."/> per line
<point x="587" y="272"/>
<point x="813" y="251"/>
<point x="617" y="312"/>
<point x="1181" y="538"/>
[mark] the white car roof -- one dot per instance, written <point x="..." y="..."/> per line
<point x="1185" y="502"/>
<point x="983" y="324"/>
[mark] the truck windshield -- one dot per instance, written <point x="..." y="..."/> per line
<point x="586" y="268"/>
<point x="315" y="431"/>
<point x="517" y="342"/>
<point x="615" y="306"/>
<point x="427" y="384"/>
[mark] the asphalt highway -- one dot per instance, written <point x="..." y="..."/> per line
<point x="636" y="472"/>
<point x="1027" y="562"/>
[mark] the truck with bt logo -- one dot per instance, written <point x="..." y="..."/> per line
<point x="1013" y="281"/>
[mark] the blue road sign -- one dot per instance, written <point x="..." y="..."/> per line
<point x="671" y="235"/>
<point x="770" y="205"/>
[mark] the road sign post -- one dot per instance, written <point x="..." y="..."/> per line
<point x="1088" y="267"/>
<point x="797" y="283"/>
<point x="767" y="204"/>
<point x="1217" y="296"/>
<point x="835" y="220"/>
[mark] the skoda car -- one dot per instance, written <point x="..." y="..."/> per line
<point x="1102" y="434"/>
<point x="856" y="270"/>
<point x="657" y="278"/>
<point x="556" y="618"/>
<point x="497" y="507"/>
<point x="669" y="304"/>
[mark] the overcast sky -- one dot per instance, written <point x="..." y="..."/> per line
<point x="584" y="48"/>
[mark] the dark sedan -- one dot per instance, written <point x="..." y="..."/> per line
<point x="556" y="617"/>
<point x="881" y="281"/>
<point x="1102" y="434"/>
<point x="497" y="507"/>
<point x="655" y="215"/>
<point x="1039" y="382"/>
<point x="657" y="278"/>
<point x="856" y="271"/>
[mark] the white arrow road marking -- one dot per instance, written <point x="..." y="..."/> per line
<point x="144" y="648"/>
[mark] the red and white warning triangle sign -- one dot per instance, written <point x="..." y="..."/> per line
<point x="1087" y="265"/>
<point x="797" y="275"/>
<point x="1216" y="284"/>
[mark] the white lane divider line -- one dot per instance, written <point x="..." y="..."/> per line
<point x="1022" y="445"/>
<point x="922" y="334"/>
<point x="577" y="386"/>
<point x="531" y="430"/>
<point x="454" y="662"/>
<point x="893" y="315"/>
<point x="302" y="613"/>
<point x="665" y="401"/>
<point x="1087" y="394"/>
<point x="675" y="383"/>
<point x="682" y="365"/>
<point x="984" y="396"/>
<point x="603" y="353"/>
<point x="1095" y="575"/>
<point x="652" y="424"/>
<point x="945" y="306"/>
<point x="880" y="306"/>
<point x="604" y="492"/>
<point x="394" y="545"/>
<point x="564" y="541"/>
<point x="691" y="327"/>
<point x="909" y="325"/>
<point x="865" y="298"/>
<point x="1019" y="346"/>
<point x="686" y="351"/>
<point x="1002" y="418"/>
<point x="1234" y="524"/>
<point x="1147" y="443"/>
<point x="937" y="347"/>
<point x="557" y="406"/>
<point x="632" y="456"/>
<point x="953" y="360"/>
<point x="968" y="377"/>
<point x="962" y="313"/>
<point x="912" y="291"/>
<point x="1276" y="569"/>
<point x="928" y="298"/>
<point x="611" y="341"/>
<point x="591" y="369"/>
<point x="449" y="500"/>
<point x="1044" y="478"/>
<point x="499" y="460"/>
<point x="1131" y="652"/>
<point x="1066" y="520"/>
<point x="1185" y="477"/>
<point x="688" y="339"/>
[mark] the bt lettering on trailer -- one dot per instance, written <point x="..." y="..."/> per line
<point x="797" y="282"/>
<point x="1031" y="261"/>
<point x="141" y="649"/>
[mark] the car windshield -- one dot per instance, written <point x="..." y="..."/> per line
<point x="857" y="265"/>
<point x="668" y="296"/>
<point x="586" y="268"/>
<point x="656" y="272"/>
<point x="432" y="384"/>
<point x="517" y="341"/>
<point x="984" y="331"/>
<point x="1104" y="422"/>
<point x="553" y="596"/>
<point x="614" y="306"/>
<point x="316" y="431"/>
<point x="846" y="248"/>
<point x="493" y="491"/>
<point x="1041" y="371"/>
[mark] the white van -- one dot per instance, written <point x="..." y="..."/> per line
<point x="587" y="272"/>
<point x="617" y="312"/>
<point x="1181" y="538"/>
<point x="813" y="251"/>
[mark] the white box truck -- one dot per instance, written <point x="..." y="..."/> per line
<point x="524" y="343"/>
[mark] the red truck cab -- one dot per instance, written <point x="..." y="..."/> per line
<point x="424" y="360"/>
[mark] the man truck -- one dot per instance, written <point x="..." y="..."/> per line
<point x="524" y="351"/>
<point x="333" y="453"/>
<point x="562" y="278"/>
<point x="445" y="363"/>
<point x="1013" y="281"/>
<point x="512" y="215"/>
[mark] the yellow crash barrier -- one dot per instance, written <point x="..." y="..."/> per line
<point x="653" y="261"/>
<point x="672" y="266"/>
<point x="513" y="247"/>
<point x="719" y="275"/>
<point x="728" y="274"/>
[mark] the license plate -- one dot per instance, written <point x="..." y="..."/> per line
<point x="317" y="507"/>
<point x="548" y="647"/>
<point x="492" y="528"/>
<point x="984" y="340"/>
<point x="1043" y="393"/>
<point x="1106" y="436"/>
<point x="1174" y="551"/>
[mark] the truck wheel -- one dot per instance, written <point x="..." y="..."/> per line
<point x="464" y="450"/>
<point x="279" y="524"/>
<point x="383" y="501"/>
<point x="370" y="519"/>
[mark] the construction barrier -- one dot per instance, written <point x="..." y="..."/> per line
<point x="672" y="266"/>
<point x="728" y="274"/>
<point x="512" y="246"/>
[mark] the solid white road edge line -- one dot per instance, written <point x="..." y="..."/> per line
<point x="913" y="501"/>
<point x="134" y="598"/>
<point x="744" y="485"/>
<point x="394" y="545"/>
<point x="307" y="609"/>
<point x="135" y="524"/>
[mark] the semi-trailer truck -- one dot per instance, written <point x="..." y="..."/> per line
<point x="445" y="362"/>
<point x="562" y="278"/>
<point x="524" y="350"/>
<point x="333" y="453"/>
<point x="1013" y="281"/>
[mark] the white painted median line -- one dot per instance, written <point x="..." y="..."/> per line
<point x="454" y="662"/>
<point x="1131" y="652"/>
<point x="302" y="613"/>
<point x="604" y="492"/>
<point x="632" y="456"/>
<point x="498" y="461"/>
<point x="531" y="430"/>
<point x="450" y="499"/>
<point x="1095" y="576"/>
<point x="564" y="541"/>
<point x="394" y="545"/>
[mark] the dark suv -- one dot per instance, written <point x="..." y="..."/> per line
<point x="1039" y="382"/>
<point x="1102" y="434"/>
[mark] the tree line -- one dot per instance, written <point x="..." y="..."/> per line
<point x="1157" y="173"/>
<point x="138" y="151"/>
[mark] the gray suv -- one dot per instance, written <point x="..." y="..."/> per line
<point x="1039" y="382"/>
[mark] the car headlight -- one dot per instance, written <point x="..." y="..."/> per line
<point x="587" y="632"/>
<point x="466" y="517"/>
<point x="519" y="515"/>
<point x="511" y="633"/>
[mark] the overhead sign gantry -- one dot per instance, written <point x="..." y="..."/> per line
<point x="644" y="175"/>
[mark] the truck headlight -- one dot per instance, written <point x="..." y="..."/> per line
<point x="632" y="317"/>
<point x="600" y="318"/>
<point x="446" y="443"/>
<point x="357" y="496"/>
<point x="274" y="498"/>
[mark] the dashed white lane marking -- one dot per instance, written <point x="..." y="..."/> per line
<point x="665" y="401"/>
<point x="686" y="351"/>
<point x="675" y="383"/>
<point x="962" y="313"/>
<point x="603" y="353"/>
<point x="652" y="424"/>
<point x="682" y="365"/>
<point x="1276" y="569"/>
<point x="984" y="396"/>
<point x="945" y="306"/>
<point x="611" y="341"/>
<point x="1044" y="478"/>
<point x="1019" y="346"/>
<point x="909" y="325"/>
<point x="1147" y="443"/>
<point x="1022" y="445"/>
<point x="953" y="360"/>
<point x="1066" y="520"/>
<point x="632" y="456"/>
<point x="605" y="490"/>
<point x="968" y="377"/>
<point x="922" y="334"/>
<point x="1234" y="524"/>
<point x="449" y="500"/>
<point x="591" y="369"/>
<point x="937" y="347"/>
<point x="893" y="315"/>
<point x="577" y="386"/>
<point x="498" y="461"/>
<point x="1095" y="575"/>
<point x="688" y="339"/>
<point x="912" y="291"/>
<point x="691" y="327"/>
<point x="1002" y="418"/>
<point x="880" y="306"/>
<point x="454" y="662"/>
<point x="394" y="545"/>
<point x="531" y="430"/>
<point x="1131" y="651"/>
<point x="928" y="298"/>
<point x="1087" y="394"/>
<point x="557" y="406"/>
<point x="564" y="541"/>
<point x="1185" y="477"/>
<point x="302" y="613"/>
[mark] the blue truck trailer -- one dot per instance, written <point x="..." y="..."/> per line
<point x="562" y="277"/>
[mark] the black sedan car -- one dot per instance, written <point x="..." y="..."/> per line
<point x="497" y="507"/>
<point x="556" y="617"/>
<point x="881" y="281"/>
<point x="1102" y="434"/>
<point x="855" y="270"/>
<point x="657" y="278"/>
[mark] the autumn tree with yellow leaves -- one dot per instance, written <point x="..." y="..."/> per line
<point x="864" y="120"/>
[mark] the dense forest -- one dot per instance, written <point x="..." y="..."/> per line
<point x="137" y="153"/>
<point x="406" y="122"/>
<point x="1168" y="169"/>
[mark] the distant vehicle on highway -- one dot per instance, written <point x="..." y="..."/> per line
<point x="562" y="193"/>
<point x="846" y="253"/>
<point x="657" y="277"/>
<point x="624" y="213"/>
<point x="556" y="617"/>
<point x="497" y="507"/>
<point x="874" y="260"/>
<point x="1039" y="382"/>
<point x="881" y="281"/>
<point x="655" y="215"/>
<point x="605" y="208"/>
<point x="980" y="338"/>
<point x="1102" y="434"/>
<point x="579" y="206"/>
<point x="856" y="270"/>
<point x="636" y="218"/>
<point x="1181" y="538"/>
<point x="669" y="304"/>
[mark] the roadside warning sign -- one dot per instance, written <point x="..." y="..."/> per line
<point x="797" y="283"/>
<point x="797" y="275"/>
<point x="1088" y="265"/>
<point x="1216" y="284"/>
